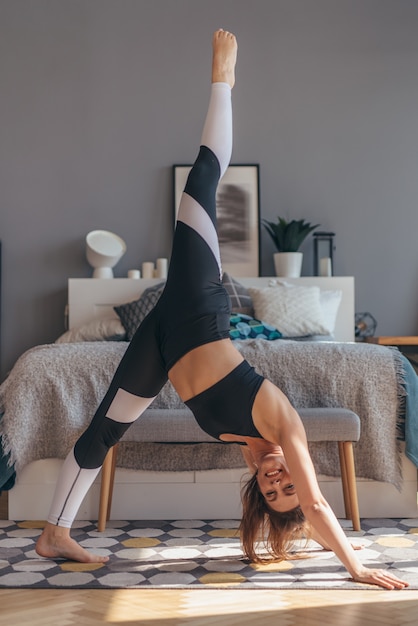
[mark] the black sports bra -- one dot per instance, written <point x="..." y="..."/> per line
<point x="226" y="407"/>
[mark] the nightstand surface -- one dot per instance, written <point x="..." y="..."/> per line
<point x="401" y="340"/>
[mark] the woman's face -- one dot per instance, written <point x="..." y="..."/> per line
<point x="275" y="483"/>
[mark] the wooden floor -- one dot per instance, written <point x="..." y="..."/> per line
<point x="220" y="607"/>
<point x="41" y="607"/>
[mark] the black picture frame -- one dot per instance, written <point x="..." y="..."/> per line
<point x="238" y="216"/>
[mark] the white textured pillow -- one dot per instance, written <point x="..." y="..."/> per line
<point x="96" y="330"/>
<point x="295" y="311"/>
<point x="330" y="300"/>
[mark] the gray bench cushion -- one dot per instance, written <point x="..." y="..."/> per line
<point x="179" y="426"/>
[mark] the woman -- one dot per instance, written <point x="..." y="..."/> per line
<point x="186" y="339"/>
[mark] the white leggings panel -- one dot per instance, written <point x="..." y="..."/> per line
<point x="192" y="214"/>
<point x="72" y="485"/>
<point x="217" y="130"/>
<point x="126" y="407"/>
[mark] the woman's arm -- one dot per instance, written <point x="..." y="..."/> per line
<point x="316" y="537"/>
<point x="313" y="534"/>
<point x="278" y="422"/>
<point x="249" y="459"/>
<point x="320" y="515"/>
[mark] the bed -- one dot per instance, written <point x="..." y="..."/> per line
<point x="48" y="398"/>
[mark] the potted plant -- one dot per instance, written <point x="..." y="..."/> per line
<point x="288" y="236"/>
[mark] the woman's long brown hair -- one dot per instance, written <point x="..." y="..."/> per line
<point x="261" y="527"/>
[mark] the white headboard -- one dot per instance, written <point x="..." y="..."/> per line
<point x="92" y="298"/>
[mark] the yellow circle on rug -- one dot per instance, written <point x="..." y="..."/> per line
<point x="32" y="524"/>
<point x="413" y="531"/>
<point x="72" y="566"/>
<point x="222" y="578"/>
<point x="141" y="542"/>
<point x="224" y="532"/>
<point x="280" y="566"/>
<point x="395" y="542"/>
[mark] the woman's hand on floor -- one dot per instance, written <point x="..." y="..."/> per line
<point x="382" y="578"/>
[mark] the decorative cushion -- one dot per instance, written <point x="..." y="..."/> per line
<point x="107" y="329"/>
<point x="246" y="327"/>
<point x="295" y="311"/>
<point x="132" y="313"/>
<point x="240" y="298"/>
<point x="330" y="300"/>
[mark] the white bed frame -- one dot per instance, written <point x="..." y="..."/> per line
<point x="190" y="495"/>
<point x="95" y="298"/>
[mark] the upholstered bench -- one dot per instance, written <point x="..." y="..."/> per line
<point x="179" y="426"/>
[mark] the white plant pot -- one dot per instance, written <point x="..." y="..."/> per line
<point x="288" y="264"/>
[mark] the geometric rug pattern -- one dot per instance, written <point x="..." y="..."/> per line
<point x="198" y="554"/>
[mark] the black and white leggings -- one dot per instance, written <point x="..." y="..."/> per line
<point x="192" y="310"/>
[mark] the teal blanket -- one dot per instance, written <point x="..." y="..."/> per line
<point x="410" y="426"/>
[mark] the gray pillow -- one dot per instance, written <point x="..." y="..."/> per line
<point x="132" y="313"/>
<point x="241" y="301"/>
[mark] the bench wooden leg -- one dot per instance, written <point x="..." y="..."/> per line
<point x="344" y="480"/>
<point x="112" y="480"/>
<point x="106" y="488"/>
<point x="348" y="476"/>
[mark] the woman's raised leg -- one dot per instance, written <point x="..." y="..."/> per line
<point x="127" y="398"/>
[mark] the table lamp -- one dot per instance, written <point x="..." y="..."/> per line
<point x="103" y="250"/>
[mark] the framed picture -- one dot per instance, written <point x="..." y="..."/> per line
<point x="238" y="216"/>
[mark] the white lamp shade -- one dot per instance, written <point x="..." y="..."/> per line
<point x="103" y="250"/>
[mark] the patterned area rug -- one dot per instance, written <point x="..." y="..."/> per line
<point x="198" y="554"/>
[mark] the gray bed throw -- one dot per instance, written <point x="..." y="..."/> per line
<point x="51" y="393"/>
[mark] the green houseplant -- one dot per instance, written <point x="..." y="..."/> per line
<point x="287" y="237"/>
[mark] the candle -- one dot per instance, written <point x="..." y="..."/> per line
<point x="147" y="269"/>
<point x="325" y="268"/>
<point x="161" y="270"/>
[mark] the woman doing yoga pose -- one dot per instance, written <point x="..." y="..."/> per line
<point x="185" y="339"/>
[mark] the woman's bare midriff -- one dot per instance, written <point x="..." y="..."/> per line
<point x="203" y="366"/>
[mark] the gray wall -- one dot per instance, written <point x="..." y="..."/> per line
<point x="100" y="97"/>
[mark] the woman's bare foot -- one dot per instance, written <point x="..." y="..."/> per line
<point x="56" y="543"/>
<point x="224" y="57"/>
